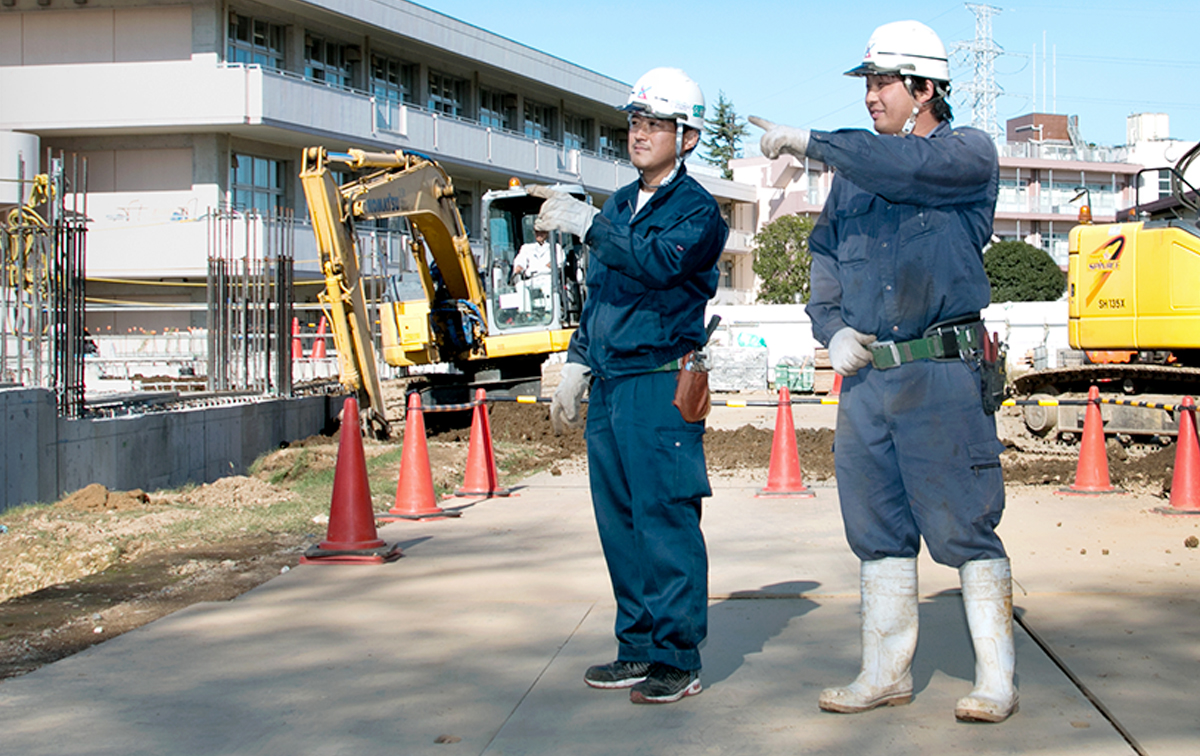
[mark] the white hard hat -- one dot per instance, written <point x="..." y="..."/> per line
<point x="908" y="48"/>
<point x="668" y="93"/>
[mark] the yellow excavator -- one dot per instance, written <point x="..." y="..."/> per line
<point x="483" y="322"/>
<point x="1133" y="298"/>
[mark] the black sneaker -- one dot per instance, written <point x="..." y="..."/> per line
<point x="619" y="674"/>
<point x="664" y="684"/>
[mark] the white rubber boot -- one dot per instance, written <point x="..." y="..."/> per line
<point x="889" y="639"/>
<point x="987" y="597"/>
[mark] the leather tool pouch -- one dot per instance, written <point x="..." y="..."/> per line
<point x="691" y="389"/>
<point x="993" y="373"/>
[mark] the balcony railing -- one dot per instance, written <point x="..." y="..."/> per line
<point x="1051" y="151"/>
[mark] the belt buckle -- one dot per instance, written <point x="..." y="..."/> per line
<point x="885" y="355"/>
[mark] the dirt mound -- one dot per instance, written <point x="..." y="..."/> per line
<point x="749" y="447"/>
<point x="97" y="498"/>
<point x="237" y="491"/>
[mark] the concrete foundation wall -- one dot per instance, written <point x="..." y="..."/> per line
<point x="44" y="456"/>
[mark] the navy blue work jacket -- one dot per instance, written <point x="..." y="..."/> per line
<point x="899" y="244"/>
<point x="649" y="277"/>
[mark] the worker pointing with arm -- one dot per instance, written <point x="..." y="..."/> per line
<point x="652" y="268"/>
<point x="897" y="289"/>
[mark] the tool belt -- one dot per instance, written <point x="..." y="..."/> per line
<point x="942" y="341"/>
<point x="965" y="340"/>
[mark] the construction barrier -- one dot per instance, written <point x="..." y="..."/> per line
<point x="783" y="474"/>
<point x="1185" y="480"/>
<point x="415" y="498"/>
<point x="482" y="478"/>
<point x="351" y="537"/>
<point x="297" y="347"/>
<point x="318" y="350"/>
<point x="1091" y="474"/>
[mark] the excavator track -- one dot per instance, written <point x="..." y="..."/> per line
<point x="1129" y="379"/>
<point x="1156" y="384"/>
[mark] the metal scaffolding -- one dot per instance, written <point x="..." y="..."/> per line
<point x="43" y="243"/>
<point x="250" y="294"/>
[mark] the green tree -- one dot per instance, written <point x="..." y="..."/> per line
<point x="723" y="134"/>
<point x="1021" y="272"/>
<point x="782" y="260"/>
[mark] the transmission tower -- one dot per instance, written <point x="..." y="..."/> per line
<point x="982" y="52"/>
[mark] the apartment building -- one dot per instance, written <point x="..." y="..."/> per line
<point x="1047" y="172"/>
<point x="186" y="108"/>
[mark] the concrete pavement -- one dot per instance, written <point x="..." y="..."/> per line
<point x="476" y="641"/>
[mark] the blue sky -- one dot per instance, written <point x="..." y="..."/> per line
<point x="1099" y="60"/>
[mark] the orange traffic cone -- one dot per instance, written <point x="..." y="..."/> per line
<point x="351" y="537"/>
<point x="783" y="476"/>
<point x="1185" y="481"/>
<point x="481" y="479"/>
<point x="836" y="391"/>
<point x="318" y="350"/>
<point x="1091" y="474"/>
<point x="297" y="347"/>
<point x="415" y="499"/>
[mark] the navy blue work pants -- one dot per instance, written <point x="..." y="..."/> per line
<point x="647" y="472"/>
<point x="916" y="456"/>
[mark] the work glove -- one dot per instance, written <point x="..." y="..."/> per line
<point x="562" y="212"/>
<point x="568" y="397"/>
<point x="848" y="351"/>
<point x="780" y="139"/>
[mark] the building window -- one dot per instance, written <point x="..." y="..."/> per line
<point x="726" y="268"/>
<point x="466" y="210"/>
<point x="257" y="184"/>
<point x="391" y="79"/>
<point x="577" y="132"/>
<point x="1014" y="195"/>
<point x="496" y="109"/>
<point x="325" y="61"/>
<point x="539" y="121"/>
<point x="614" y="142"/>
<point x="1164" y="183"/>
<point x="447" y="94"/>
<point x="254" y="41"/>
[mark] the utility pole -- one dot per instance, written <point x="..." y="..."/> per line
<point x="983" y="51"/>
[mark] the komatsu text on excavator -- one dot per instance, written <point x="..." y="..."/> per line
<point x="1133" y="298"/>
<point x="491" y="322"/>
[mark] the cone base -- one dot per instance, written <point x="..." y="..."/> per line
<point x="485" y="492"/>
<point x="318" y="555"/>
<point x="803" y="493"/>
<point x="441" y="514"/>
<point x="1174" y="511"/>
<point x="1090" y="491"/>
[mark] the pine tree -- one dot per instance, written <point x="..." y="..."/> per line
<point x="723" y="134"/>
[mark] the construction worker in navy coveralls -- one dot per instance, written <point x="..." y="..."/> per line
<point x="897" y="288"/>
<point x="652" y="268"/>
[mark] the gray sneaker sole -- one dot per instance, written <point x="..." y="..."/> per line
<point x="692" y="689"/>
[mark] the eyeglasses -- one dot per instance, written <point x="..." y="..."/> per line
<point x="650" y="125"/>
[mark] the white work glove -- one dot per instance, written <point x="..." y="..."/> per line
<point x="568" y="397"/>
<point x="562" y="212"/>
<point x="848" y="351"/>
<point x="780" y="139"/>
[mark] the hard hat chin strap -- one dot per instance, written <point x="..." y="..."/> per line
<point x="911" y="123"/>
<point x="679" y="156"/>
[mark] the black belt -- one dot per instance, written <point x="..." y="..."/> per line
<point x="941" y="342"/>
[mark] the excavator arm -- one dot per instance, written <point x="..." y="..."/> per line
<point x="404" y="185"/>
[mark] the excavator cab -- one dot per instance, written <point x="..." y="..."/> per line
<point x="530" y="286"/>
